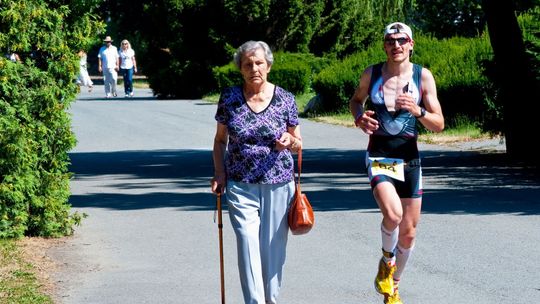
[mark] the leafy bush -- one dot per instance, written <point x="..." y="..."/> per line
<point x="294" y="77"/>
<point x="461" y="75"/>
<point x="462" y="86"/>
<point x="292" y="71"/>
<point x="36" y="129"/>
<point x="530" y="25"/>
<point x="227" y="76"/>
<point x="193" y="47"/>
<point x="336" y="83"/>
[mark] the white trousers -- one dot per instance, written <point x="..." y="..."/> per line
<point x="258" y="215"/>
<point x="110" y="76"/>
<point x="84" y="78"/>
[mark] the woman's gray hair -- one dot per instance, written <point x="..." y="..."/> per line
<point x="252" y="46"/>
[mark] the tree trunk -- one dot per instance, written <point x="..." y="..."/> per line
<point x="517" y="84"/>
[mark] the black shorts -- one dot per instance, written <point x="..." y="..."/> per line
<point x="410" y="188"/>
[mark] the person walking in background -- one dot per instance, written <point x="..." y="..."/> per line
<point x="13" y="57"/>
<point x="257" y="129"/>
<point x="108" y="64"/>
<point x="401" y="93"/>
<point x="128" y="66"/>
<point x="84" y="78"/>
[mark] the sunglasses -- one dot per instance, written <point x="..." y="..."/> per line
<point x="400" y="41"/>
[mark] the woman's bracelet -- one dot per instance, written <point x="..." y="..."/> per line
<point x="294" y="145"/>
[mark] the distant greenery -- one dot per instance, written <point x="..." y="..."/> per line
<point x="292" y="71"/>
<point x="462" y="84"/>
<point x="182" y="61"/>
<point x="179" y="60"/>
<point x="530" y="23"/>
<point x="464" y="88"/>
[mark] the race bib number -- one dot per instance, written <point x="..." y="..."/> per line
<point x="392" y="167"/>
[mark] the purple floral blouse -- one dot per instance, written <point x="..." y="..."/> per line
<point x="251" y="154"/>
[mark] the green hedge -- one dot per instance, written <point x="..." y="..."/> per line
<point x="35" y="127"/>
<point x="35" y="138"/>
<point x="292" y="71"/>
<point x="227" y="76"/>
<point x="336" y="83"/>
<point x="458" y="65"/>
<point x="461" y="76"/>
<point x="530" y="25"/>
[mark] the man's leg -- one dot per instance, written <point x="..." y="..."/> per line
<point x="107" y="82"/>
<point x="114" y="80"/>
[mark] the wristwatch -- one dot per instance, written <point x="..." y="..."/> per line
<point x="422" y="113"/>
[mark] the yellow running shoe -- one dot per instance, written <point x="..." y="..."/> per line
<point x="393" y="299"/>
<point x="384" y="282"/>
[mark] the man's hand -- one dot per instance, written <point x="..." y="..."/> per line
<point x="367" y="123"/>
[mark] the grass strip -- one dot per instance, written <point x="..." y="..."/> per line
<point x="18" y="283"/>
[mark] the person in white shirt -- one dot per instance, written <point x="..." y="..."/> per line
<point x="128" y="66"/>
<point x="84" y="78"/>
<point x="108" y="65"/>
<point x="14" y="57"/>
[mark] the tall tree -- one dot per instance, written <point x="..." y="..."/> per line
<point x="518" y="87"/>
<point x="194" y="35"/>
<point x="449" y="18"/>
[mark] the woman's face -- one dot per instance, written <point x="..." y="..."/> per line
<point x="254" y="67"/>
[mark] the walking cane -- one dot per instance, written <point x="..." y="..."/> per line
<point x="220" y="229"/>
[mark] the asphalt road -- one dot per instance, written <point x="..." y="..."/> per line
<point x="141" y="173"/>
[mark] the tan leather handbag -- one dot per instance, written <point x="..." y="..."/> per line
<point x="301" y="218"/>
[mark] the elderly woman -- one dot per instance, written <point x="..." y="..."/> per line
<point x="257" y="128"/>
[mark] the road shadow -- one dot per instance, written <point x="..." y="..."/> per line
<point x="456" y="182"/>
<point x="480" y="183"/>
<point x="160" y="170"/>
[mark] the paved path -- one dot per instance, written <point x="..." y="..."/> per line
<point x="142" y="168"/>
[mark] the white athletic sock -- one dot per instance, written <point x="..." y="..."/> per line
<point x="402" y="256"/>
<point x="389" y="242"/>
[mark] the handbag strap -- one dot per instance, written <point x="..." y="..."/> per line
<point x="299" y="164"/>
